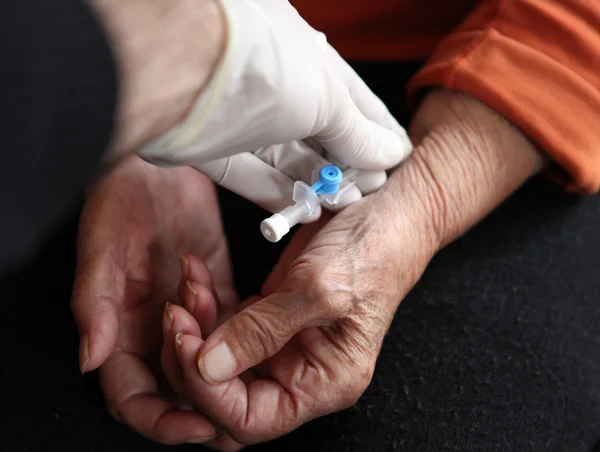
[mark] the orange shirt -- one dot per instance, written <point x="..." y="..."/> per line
<point x="536" y="62"/>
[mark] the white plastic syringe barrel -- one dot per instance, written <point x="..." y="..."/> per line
<point x="279" y="224"/>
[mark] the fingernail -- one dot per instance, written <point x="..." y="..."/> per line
<point x="190" y="288"/>
<point x="84" y="356"/>
<point x="201" y="439"/>
<point x="178" y="338"/>
<point x="184" y="267"/>
<point x="218" y="364"/>
<point x="169" y="314"/>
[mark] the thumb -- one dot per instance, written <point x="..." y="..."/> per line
<point x="253" y="335"/>
<point x="98" y="288"/>
<point x="361" y="143"/>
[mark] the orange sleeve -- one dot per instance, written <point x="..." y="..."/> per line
<point x="536" y="62"/>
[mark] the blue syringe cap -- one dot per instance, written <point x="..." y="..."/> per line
<point x="330" y="177"/>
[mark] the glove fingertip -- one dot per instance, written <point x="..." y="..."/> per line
<point x="370" y="181"/>
<point x="352" y="195"/>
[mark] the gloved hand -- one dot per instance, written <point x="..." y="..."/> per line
<point x="280" y="104"/>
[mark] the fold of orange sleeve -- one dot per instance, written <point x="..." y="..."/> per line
<point x="536" y="62"/>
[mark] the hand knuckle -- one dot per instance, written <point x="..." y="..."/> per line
<point x="329" y="295"/>
<point x="336" y="305"/>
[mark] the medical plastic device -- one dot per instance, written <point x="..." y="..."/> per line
<point x="328" y="189"/>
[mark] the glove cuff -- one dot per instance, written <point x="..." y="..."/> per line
<point x="203" y="133"/>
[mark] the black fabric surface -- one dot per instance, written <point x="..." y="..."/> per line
<point x="496" y="349"/>
<point x="57" y="102"/>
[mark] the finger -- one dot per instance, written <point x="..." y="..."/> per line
<point x="350" y="196"/>
<point x="98" y="290"/>
<point x="201" y="304"/>
<point x="296" y="159"/>
<point x="132" y="396"/>
<point x="370" y="105"/>
<point x="178" y="321"/>
<point x="249" y="412"/>
<point x="168" y="359"/>
<point x="366" y="181"/>
<point x="256" y="333"/>
<point x="192" y="269"/>
<point x="250" y="177"/>
<point x="370" y="181"/>
<point x="195" y="291"/>
<point x="360" y="143"/>
<point x="169" y="362"/>
<point x="199" y="297"/>
<point x="302" y="386"/>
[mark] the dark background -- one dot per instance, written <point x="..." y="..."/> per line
<point x="496" y="349"/>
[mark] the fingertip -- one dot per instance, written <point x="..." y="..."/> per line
<point x="369" y="145"/>
<point x="190" y="293"/>
<point x="409" y="145"/>
<point x="197" y="297"/>
<point x="198" y="271"/>
<point x="350" y="196"/>
<point x="370" y="181"/>
<point x="168" y="357"/>
<point x="183" y="322"/>
<point x="200" y="302"/>
<point x="218" y="364"/>
<point x="167" y="320"/>
<point x="98" y="340"/>
<point x="187" y="348"/>
<point x="132" y="396"/>
<point x="188" y="352"/>
<point x="203" y="372"/>
<point x="160" y="421"/>
<point x="184" y="264"/>
<point x="393" y="148"/>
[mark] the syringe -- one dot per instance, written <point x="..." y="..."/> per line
<point x="331" y="184"/>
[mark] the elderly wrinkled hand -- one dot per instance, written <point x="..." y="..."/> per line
<point x="311" y="343"/>
<point x="135" y="225"/>
<point x="308" y="345"/>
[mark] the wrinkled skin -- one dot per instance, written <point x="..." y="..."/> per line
<point x="136" y="224"/>
<point x="312" y="338"/>
<point x="326" y="308"/>
<point x="306" y="345"/>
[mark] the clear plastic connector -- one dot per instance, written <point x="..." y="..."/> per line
<point x="306" y="200"/>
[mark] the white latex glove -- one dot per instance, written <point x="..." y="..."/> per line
<point x="281" y="99"/>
